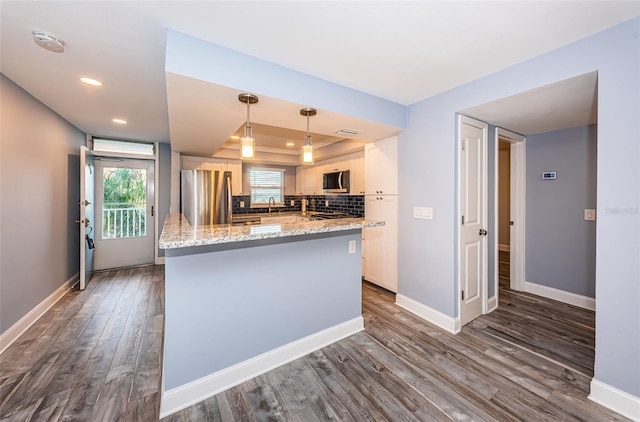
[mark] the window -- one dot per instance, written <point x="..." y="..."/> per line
<point x="265" y="184"/>
<point x="123" y="147"/>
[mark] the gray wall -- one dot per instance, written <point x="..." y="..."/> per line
<point x="164" y="189"/>
<point x="228" y="306"/>
<point x="427" y="177"/>
<point x="560" y="244"/>
<point x="40" y="191"/>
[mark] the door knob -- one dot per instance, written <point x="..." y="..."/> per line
<point x="482" y="232"/>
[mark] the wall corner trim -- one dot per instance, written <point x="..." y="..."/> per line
<point x="492" y="304"/>
<point x="560" y="295"/>
<point x="15" y="331"/>
<point x="193" y="392"/>
<point x="617" y="400"/>
<point x="160" y="260"/>
<point x="429" y="314"/>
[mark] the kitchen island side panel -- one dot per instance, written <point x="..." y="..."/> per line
<point x="225" y="307"/>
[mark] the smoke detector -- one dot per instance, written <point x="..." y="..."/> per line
<point x="48" y="41"/>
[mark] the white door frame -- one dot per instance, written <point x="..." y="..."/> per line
<point x="517" y="208"/>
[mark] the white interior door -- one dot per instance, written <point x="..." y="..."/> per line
<point x="87" y="215"/>
<point x="472" y="141"/>
<point x="125" y="226"/>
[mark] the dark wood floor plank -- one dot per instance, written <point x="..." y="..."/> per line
<point x="96" y="355"/>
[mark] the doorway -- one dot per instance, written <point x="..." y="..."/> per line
<point x="125" y="215"/>
<point x="509" y="227"/>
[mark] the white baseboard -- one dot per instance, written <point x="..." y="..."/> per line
<point x="560" y="295"/>
<point x="617" y="400"/>
<point x="8" y="337"/>
<point x="504" y="248"/>
<point x="188" y="394"/>
<point x="429" y="314"/>
<point x="160" y="260"/>
<point x="492" y="304"/>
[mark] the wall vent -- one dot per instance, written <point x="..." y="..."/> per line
<point x="348" y="132"/>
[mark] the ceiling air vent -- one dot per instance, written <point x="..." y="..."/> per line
<point x="348" y="132"/>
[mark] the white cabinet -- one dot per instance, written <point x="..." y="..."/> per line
<point x="380" y="246"/>
<point x="381" y="167"/>
<point x="308" y="180"/>
<point x="235" y="167"/>
<point x="356" y="167"/>
<point x="340" y="163"/>
<point x="202" y="163"/>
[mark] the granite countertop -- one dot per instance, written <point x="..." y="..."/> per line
<point x="178" y="233"/>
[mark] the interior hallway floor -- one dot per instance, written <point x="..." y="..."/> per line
<point x="96" y="355"/>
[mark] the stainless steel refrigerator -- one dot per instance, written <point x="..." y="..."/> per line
<point x="206" y="196"/>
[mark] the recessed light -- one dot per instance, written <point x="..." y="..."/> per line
<point x="291" y="144"/>
<point x="90" y="81"/>
<point x="119" y="121"/>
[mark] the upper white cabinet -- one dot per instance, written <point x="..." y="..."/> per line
<point x="340" y="163"/>
<point x="202" y="163"/>
<point x="381" y="167"/>
<point x="308" y="180"/>
<point x="235" y="167"/>
<point x="356" y="167"/>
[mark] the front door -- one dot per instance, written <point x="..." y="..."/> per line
<point x="87" y="215"/>
<point x="124" y="213"/>
<point x="472" y="141"/>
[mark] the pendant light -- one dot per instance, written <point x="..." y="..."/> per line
<point x="307" y="148"/>
<point x="247" y="142"/>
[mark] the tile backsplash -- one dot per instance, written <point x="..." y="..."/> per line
<point x="350" y="204"/>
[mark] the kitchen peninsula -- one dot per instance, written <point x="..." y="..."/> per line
<point x="242" y="300"/>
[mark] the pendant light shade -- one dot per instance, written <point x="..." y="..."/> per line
<point x="307" y="148"/>
<point x="247" y="142"/>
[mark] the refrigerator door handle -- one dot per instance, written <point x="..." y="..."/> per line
<point x="229" y="199"/>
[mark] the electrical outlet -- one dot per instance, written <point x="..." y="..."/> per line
<point x="352" y="246"/>
<point x="293" y="202"/>
<point x="241" y="204"/>
<point x="326" y="203"/>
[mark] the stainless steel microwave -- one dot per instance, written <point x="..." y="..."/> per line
<point x="335" y="182"/>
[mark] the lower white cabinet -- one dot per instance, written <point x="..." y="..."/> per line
<point x="380" y="247"/>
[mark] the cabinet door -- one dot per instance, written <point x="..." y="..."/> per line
<point x="235" y="167"/>
<point x="313" y="182"/>
<point x="356" y="167"/>
<point x="381" y="167"/>
<point x="381" y="243"/>
<point x="340" y="163"/>
<point x="301" y="180"/>
<point x="192" y="163"/>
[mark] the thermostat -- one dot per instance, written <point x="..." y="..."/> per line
<point x="549" y="175"/>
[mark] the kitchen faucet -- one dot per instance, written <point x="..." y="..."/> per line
<point x="274" y="203"/>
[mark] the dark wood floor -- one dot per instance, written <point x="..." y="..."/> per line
<point x="96" y="356"/>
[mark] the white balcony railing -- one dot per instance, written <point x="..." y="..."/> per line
<point x="124" y="220"/>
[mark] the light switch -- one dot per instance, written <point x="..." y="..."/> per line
<point x="425" y="213"/>
<point x="352" y="246"/>
<point x="589" y="214"/>
<point x="293" y="202"/>
<point x="241" y="204"/>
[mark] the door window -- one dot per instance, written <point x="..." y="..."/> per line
<point x="124" y="203"/>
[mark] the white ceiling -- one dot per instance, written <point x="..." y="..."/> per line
<point x="401" y="51"/>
